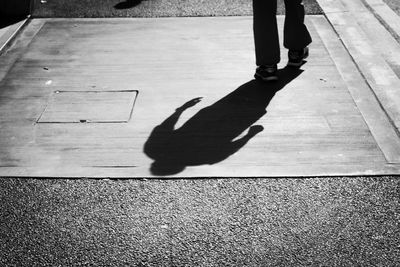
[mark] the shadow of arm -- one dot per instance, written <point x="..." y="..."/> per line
<point x="253" y="131"/>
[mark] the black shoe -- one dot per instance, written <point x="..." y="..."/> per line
<point x="296" y="57"/>
<point x="267" y="73"/>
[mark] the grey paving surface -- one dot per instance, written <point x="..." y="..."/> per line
<point x="152" y="8"/>
<point x="394" y="4"/>
<point x="98" y="55"/>
<point x="253" y="222"/>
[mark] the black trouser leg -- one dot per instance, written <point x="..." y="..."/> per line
<point x="265" y="28"/>
<point x="296" y="35"/>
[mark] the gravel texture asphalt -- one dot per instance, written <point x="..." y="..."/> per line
<point x="220" y="222"/>
<point x="152" y="8"/>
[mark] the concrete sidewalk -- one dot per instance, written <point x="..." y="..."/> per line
<point x="93" y="98"/>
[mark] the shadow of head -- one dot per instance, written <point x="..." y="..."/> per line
<point x="165" y="168"/>
<point x="127" y="4"/>
<point x="215" y="132"/>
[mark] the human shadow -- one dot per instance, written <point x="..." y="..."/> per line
<point x="127" y="4"/>
<point x="211" y="135"/>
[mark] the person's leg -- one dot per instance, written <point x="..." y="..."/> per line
<point x="296" y="35"/>
<point x="265" y="28"/>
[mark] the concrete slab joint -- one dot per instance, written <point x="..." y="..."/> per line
<point x="89" y="107"/>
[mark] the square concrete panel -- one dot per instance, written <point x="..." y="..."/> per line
<point x="89" y="107"/>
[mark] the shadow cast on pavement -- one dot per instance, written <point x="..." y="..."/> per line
<point x="128" y="4"/>
<point x="210" y="136"/>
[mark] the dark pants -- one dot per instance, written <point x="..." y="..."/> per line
<point x="296" y="35"/>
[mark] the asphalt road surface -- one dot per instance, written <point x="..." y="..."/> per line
<point x="152" y="8"/>
<point x="210" y="222"/>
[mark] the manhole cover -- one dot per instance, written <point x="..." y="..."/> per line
<point x="89" y="107"/>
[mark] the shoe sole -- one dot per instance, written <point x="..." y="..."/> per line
<point x="266" y="79"/>
<point x="296" y="65"/>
